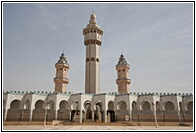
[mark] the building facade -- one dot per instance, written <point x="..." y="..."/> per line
<point x="94" y="106"/>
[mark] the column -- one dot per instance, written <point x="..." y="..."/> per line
<point x="22" y="114"/>
<point x="69" y="115"/>
<point x="179" y="116"/>
<point x="105" y="116"/>
<point x="5" y="115"/>
<point x="115" y="115"/>
<point x="31" y="114"/>
<point x="56" y="114"/>
<point x="81" y="116"/>
<point x="130" y="115"/>
<point x="93" y="114"/>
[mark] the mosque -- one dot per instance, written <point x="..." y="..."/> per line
<point x="93" y="106"/>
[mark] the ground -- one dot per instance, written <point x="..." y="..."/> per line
<point x="39" y="127"/>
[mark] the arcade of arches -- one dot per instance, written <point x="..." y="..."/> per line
<point x="116" y="111"/>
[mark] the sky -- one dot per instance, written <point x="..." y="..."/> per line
<point x="155" y="38"/>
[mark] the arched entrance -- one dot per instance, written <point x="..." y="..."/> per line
<point x="15" y="111"/>
<point x="146" y="114"/>
<point x="39" y="111"/>
<point x="169" y="113"/>
<point x="75" y="112"/>
<point x="110" y="112"/>
<point x="122" y="111"/>
<point x="88" y="113"/>
<point x="134" y="112"/>
<point x="98" y="113"/>
<point x="26" y="111"/>
<point x="63" y="113"/>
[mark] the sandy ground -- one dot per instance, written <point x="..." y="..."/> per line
<point x="190" y="128"/>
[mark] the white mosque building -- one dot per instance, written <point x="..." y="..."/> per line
<point x="93" y="106"/>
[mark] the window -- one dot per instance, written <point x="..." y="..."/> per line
<point x="61" y="69"/>
<point x="97" y="60"/>
<point x="92" y="59"/>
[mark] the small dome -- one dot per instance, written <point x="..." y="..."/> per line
<point x="62" y="59"/>
<point x="122" y="60"/>
<point x="93" y="15"/>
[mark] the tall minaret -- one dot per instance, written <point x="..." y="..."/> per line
<point x="61" y="79"/>
<point x="92" y="40"/>
<point x="123" y="80"/>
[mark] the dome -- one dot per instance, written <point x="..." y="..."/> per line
<point x="122" y="60"/>
<point x="62" y="59"/>
<point x="93" y="15"/>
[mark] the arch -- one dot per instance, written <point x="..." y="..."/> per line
<point x="98" y="111"/>
<point x="168" y="106"/>
<point x="146" y="105"/>
<point x="63" y="104"/>
<point x="39" y="104"/>
<point x="75" y="105"/>
<point x="87" y="107"/>
<point x="99" y="106"/>
<point x="87" y="59"/>
<point x="134" y="105"/>
<point x="51" y="104"/>
<point x="110" y="111"/>
<point x="110" y="105"/>
<point x="92" y="59"/>
<point x="87" y="104"/>
<point x="190" y="106"/>
<point x="158" y="106"/>
<point x="27" y="104"/>
<point x="15" y="104"/>
<point x="122" y="105"/>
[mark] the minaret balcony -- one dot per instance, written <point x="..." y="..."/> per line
<point x="123" y="80"/>
<point x="62" y="79"/>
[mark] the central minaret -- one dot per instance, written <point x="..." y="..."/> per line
<point x="92" y="40"/>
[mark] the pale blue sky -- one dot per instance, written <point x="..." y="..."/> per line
<point x="156" y="39"/>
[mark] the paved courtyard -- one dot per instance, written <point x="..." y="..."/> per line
<point x="38" y="127"/>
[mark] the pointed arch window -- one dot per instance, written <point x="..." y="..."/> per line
<point x="87" y="59"/>
<point x="97" y="60"/>
<point x="92" y="59"/>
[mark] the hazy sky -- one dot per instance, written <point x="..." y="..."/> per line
<point x="155" y="38"/>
